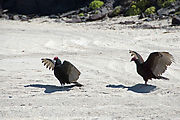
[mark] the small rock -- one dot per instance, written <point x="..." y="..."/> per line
<point x="142" y="15"/>
<point x="54" y="16"/>
<point x="22" y="105"/>
<point x="165" y="11"/>
<point x="74" y="20"/>
<point x="5" y="16"/>
<point x="16" y="17"/>
<point x="96" y="17"/>
<point x="127" y="22"/>
<point x="104" y="10"/>
<point x="84" y="9"/>
<point x="24" y="18"/>
<point x="148" y="19"/>
<point x="58" y="20"/>
<point x="10" y="96"/>
<point x="176" y="20"/>
<point x="115" y="12"/>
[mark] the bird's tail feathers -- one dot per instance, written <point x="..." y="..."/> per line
<point x="161" y="77"/>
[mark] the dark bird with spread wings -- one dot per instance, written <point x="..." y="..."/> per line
<point x="154" y="66"/>
<point x="65" y="72"/>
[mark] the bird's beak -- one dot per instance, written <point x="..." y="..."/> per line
<point x="131" y="60"/>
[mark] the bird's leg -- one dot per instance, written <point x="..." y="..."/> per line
<point x="62" y="85"/>
<point x="145" y="82"/>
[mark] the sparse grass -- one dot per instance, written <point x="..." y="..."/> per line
<point x="134" y="10"/>
<point x="150" y="10"/>
<point x="96" y="4"/>
<point x="81" y="14"/>
<point x="137" y="7"/>
<point x="116" y="11"/>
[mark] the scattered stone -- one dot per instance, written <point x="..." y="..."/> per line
<point x="176" y="20"/>
<point x="165" y="11"/>
<point x="54" y="16"/>
<point x="24" y="18"/>
<point x="16" y="17"/>
<point x="84" y="9"/>
<point x="148" y="19"/>
<point x="10" y="96"/>
<point x="96" y="17"/>
<point x="59" y="20"/>
<point x="115" y="12"/>
<point x="5" y="16"/>
<point x="22" y="105"/>
<point x="74" y="20"/>
<point x="145" y="26"/>
<point x="31" y="16"/>
<point x="104" y="10"/>
<point x="127" y="22"/>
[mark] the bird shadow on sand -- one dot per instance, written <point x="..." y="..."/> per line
<point x="138" y="88"/>
<point x="51" y="88"/>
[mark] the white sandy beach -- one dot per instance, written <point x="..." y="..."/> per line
<point x="112" y="88"/>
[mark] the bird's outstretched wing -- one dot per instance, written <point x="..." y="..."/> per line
<point x="158" y="62"/>
<point x="48" y="63"/>
<point x="72" y="72"/>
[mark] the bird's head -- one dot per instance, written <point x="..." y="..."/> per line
<point x="56" y="58"/>
<point x="135" y="57"/>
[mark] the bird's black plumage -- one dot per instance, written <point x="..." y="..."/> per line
<point x="154" y="66"/>
<point x="65" y="72"/>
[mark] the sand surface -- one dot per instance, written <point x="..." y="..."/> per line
<point x="112" y="88"/>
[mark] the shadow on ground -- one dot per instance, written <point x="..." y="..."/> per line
<point x="138" y="88"/>
<point x="51" y="88"/>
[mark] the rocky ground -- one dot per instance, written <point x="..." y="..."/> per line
<point x="78" y="11"/>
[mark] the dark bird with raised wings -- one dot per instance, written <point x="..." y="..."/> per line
<point x="154" y="66"/>
<point x="65" y="72"/>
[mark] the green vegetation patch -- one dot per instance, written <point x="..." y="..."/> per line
<point x="116" y="11"/>
<point x="137" y="7"/>
<point x="177" y="13"/>
<point x="96" y="4"/>
<point x="150" y="10"/>
<point x="81" y="14"/>
<point x="133" y="10"/>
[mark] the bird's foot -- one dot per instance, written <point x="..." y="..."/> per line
<point x="62" y="85"/>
